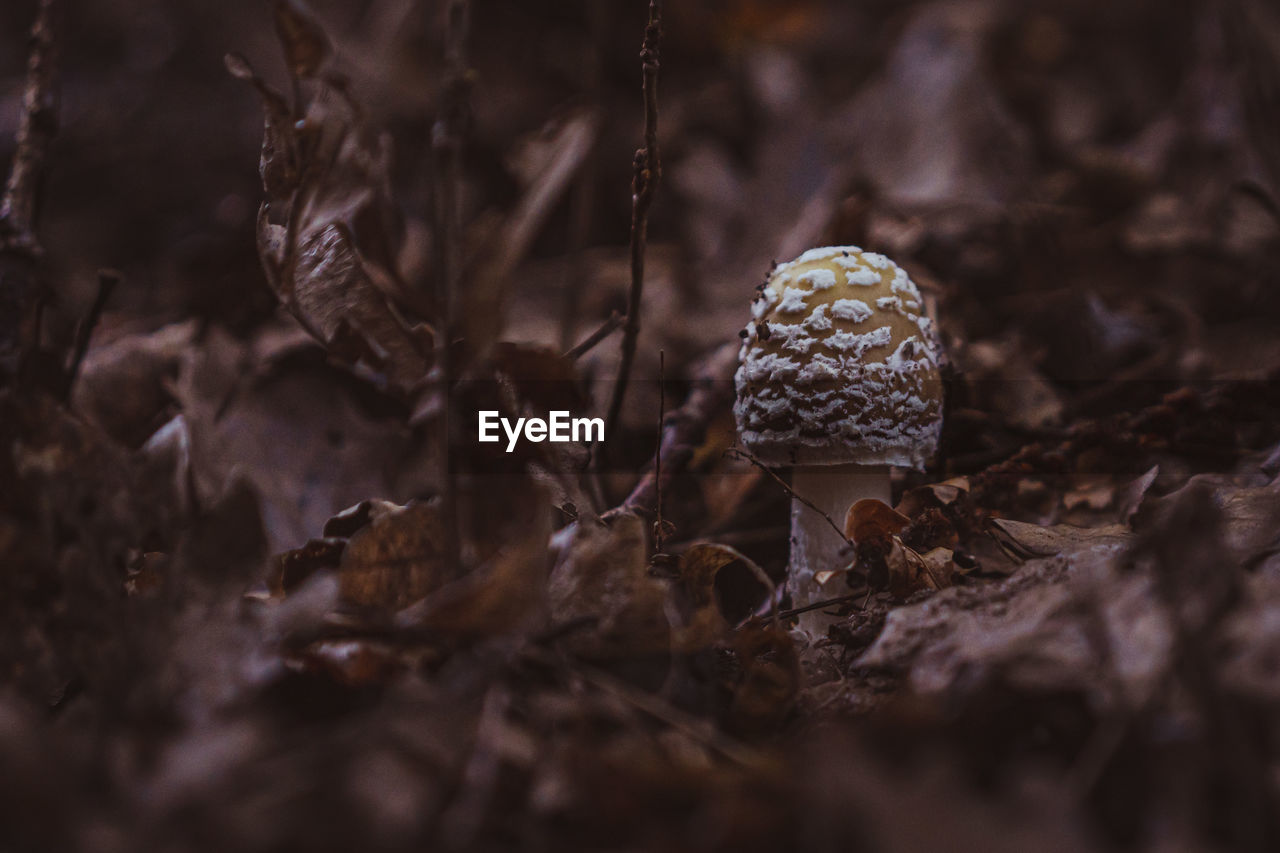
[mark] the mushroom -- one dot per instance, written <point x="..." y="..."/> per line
<point x="838" y="380"/>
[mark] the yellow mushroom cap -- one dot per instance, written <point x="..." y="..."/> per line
<point x="839" y="365"/>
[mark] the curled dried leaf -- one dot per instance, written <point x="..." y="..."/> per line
<point x="603" y="576"/>
<point x="397" y="558"/>
<point x="329" y="232"/>
<point x="870" y="520"/>
<point x="720" y="586"/>
<point x="306" y="47"/>
<point x="766" y="691"/>
<point x="291" y="568"/>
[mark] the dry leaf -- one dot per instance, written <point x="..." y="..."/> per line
<point x="706" y="616"/>
<point x="397" y="558"/>
<point x="329" y="232"/>
<point x="603" y="575"/>
<point x="306" y="47"/>
<point x="504" y="595"/>
<point x="766" y="692"/>
<point x="870" y="520"/>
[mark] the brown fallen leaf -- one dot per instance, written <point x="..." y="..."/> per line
<point x="870" y="520"/>
<point x="1036" y="541"/>
<point x="122" y="385"/>
<point x="914" y="501"/>
<point x="766" y="692"/>
<point x="291" y="568"/>
<point x="305" y="44"/>
<point x="910" y="571"/>
<point x="704" y="619"/>
<point x="397" y="558"/>
<point x="603" y="576"/>
<point x="329" y="232"/>
<point x="504" y="595"/>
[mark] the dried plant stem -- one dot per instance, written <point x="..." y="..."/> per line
<point x="607" y="328"/>
<point x="658" y="533"/>
<point x="19" y="247"/>
<point x="446" y="143"/>
<point x="647" y="173"/>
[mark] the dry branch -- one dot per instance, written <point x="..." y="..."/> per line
<point x="446" y="142"/>
<point x="648" y="171"/>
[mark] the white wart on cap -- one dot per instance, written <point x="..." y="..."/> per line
<point x="839" y="365"/>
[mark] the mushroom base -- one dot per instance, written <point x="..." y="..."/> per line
<point x="815" y="546"/>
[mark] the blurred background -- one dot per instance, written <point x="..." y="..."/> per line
<point x="1086" y="192"/>
<point x="1093" y="153"/>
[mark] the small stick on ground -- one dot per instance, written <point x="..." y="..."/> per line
<point x="446" y="142"/>
<point x="839" y="599"/>
<point x="647" y="172"/>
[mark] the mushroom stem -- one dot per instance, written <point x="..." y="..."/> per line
<point x="815" y="545"/>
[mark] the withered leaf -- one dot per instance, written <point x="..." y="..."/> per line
<point x="705" y="619"/>
<point x="278" y="162"/>
<point x="329" y="232"/>
<point x="306" y="47"/>
<point x="1035" y="540"/>
<point x="122" y="384"/>
<point x="770" y="680"/>
<point x="871" y="520"/>
<point x="916" y="500"/>
<point x="291" y="568"/>
<point x="603" y="575"/>
<point x="397" y="558"/>
<point x="505" y="594"/>
<point x="911" y="571"/>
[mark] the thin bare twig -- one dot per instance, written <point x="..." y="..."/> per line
<point x="743" y="454"/>
<point x="647" y="173"/>
<point x="658" y="533"/>
<point x="607" y="328"/>
<point x="446" y="142"/>
<point x="839" y="599"/>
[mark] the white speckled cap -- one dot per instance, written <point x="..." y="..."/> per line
<point x="839" y="365"/>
